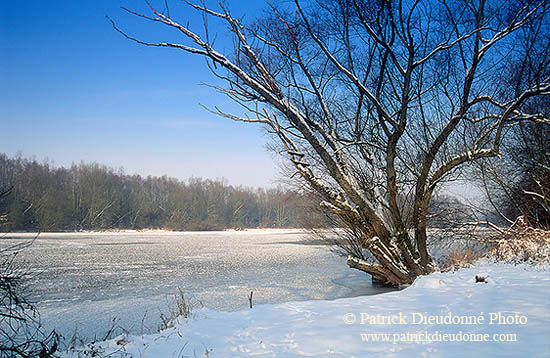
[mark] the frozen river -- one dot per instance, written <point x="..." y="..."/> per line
<point x="84" y="280"/>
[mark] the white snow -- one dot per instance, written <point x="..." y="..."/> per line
<point x="518" y="296"/>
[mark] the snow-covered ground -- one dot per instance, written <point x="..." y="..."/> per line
<point x="440" y="315"/>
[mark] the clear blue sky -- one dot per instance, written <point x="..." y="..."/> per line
<point x="72" y="89"/>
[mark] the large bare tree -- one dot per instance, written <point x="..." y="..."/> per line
<point x="376" y="103"/>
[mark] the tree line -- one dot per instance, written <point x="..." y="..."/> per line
<point x="90" y="196"/>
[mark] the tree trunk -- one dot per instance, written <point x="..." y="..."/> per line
<point x="399" y="261"/>
<point x="379" y="273"/>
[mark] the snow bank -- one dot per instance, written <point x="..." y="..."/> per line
<point x="440" y="315"/>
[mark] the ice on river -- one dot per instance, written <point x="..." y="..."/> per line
<point x="83" y="280"/>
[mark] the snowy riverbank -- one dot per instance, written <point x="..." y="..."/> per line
<point x="440" y="315"/>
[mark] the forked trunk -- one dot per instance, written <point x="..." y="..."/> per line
<point x="400" y="261"/>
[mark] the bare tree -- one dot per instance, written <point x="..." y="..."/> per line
<point x="520" y="184"/>
<point x="375" y="103"/>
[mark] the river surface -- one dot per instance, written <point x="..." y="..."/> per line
<point x="81" y="281"/>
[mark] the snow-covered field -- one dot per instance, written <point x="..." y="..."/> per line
<point x="440" y="315"/>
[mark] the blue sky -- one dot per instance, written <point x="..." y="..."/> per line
<point x="72" y="89"/>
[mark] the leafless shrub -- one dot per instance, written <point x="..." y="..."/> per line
<point x="179" y="307"/>
<point x="459" y="258"/>
<point x="82" y="347"/>
<point x="21" y="333"/>
<point x="521" y="243"/>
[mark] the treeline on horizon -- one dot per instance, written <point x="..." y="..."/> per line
<point x="90" y="196"/>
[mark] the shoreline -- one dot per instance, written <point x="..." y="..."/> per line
<point x="341" y="328"/>
<point x="153" y="231"/>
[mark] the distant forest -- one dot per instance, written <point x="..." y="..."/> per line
<point x="91" y="196"/>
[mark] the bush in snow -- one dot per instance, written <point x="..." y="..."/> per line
<point x="521" y="243"/>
